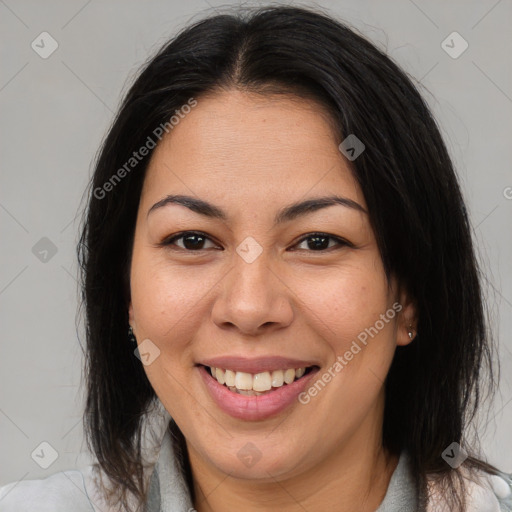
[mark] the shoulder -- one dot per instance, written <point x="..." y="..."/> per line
<point x="485" y="492"/>
<point x="60" y="492"/>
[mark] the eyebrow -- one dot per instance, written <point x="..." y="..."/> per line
<point x="284" y="215"/>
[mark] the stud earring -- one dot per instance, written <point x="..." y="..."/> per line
<point x="411" y="332"/>
<point x="131" y="336"/>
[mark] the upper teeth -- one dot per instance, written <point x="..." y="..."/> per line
<point x="258" y="382"/>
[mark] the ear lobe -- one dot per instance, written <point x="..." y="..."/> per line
<point x="406" y="335"/>
<point x="407" y="322"/>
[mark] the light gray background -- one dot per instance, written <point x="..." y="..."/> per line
<point x="55" y="112"/>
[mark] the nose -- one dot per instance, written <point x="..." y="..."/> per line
<point x="253" y="298"/>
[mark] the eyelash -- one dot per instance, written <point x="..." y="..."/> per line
<point x="170" y="241"/>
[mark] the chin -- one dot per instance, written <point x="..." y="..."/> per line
<point x="253" y="458"/>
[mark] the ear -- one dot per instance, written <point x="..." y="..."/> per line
<point x="407" y="321"/>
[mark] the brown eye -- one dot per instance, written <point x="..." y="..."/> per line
<point x="192" y="241"/>
<point x="319" y="242"/>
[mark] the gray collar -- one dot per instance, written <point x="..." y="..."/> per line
<point x="169" y="492"/>
<point x="402" y="494"/>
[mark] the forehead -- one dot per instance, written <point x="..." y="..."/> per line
<point x="265" y="148"/>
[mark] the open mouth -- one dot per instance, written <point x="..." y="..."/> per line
<point x="263" y="383"/>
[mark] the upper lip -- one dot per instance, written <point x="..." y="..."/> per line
<point x="256" y="364"/>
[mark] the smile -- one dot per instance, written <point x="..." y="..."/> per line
<point x="237" y="394"/>
<point x="256" y="384"/>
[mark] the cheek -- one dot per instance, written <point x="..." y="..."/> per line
<point x="348" y="308"/>
<point x="166" y="302"/>
<point x="345" y="301"/>
<point x="166" y="298"/>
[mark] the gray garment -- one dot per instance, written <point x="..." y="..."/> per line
<point x="402" y="494"/>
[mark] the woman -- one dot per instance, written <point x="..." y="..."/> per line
<point x="276" y="223"/>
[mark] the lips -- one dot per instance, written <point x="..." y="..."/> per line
<point x="251" y="405"/>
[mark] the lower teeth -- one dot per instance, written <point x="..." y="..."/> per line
<point x="249" y="392"/>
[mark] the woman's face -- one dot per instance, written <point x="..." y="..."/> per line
<point x="255" y="292"/>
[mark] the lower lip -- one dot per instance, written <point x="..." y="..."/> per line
<point x="258" y="407"/>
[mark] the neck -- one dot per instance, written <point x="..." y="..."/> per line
<point x="354" y="477"/>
